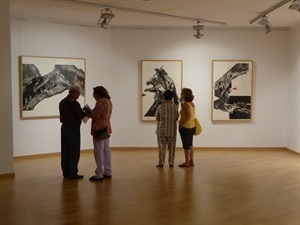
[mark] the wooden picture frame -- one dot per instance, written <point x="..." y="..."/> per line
<point x="157" y="77"/>
<point x="44" y="82"/>
<point x="232" y="85"/>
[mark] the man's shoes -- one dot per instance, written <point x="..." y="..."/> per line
<point x="160" y="165"/>
<point x="107" y="177"/>
<point x="93" y="178"/>
<point x="76" y="177"/>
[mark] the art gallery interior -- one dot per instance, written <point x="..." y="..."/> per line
<point x="247" y="172"/>
<point x="113" y="59"/>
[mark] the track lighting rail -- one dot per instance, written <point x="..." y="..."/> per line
<point x="141" y="11"/>
<point x="269" y="10"/>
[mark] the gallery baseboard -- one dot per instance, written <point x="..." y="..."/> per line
<point x="6" y="175"/>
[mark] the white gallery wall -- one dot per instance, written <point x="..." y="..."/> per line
<point x="53" y="40"/>
<point x="113" y="59"/>
<point x="269" y="54"/>
<point x="293" y="98"/>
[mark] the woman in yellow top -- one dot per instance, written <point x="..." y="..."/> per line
<point x="187" y="126"/>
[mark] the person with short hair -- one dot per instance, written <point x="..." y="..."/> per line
<point x="166" y="131"/>
<point x="71" y="115"/>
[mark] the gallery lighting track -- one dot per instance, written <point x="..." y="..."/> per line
<point x="266" y="12"/>
<point x="140" y="11"/>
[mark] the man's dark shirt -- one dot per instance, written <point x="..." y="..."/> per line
<point x="70" y="111"/>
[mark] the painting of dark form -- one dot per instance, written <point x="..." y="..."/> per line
<point x="232" y="90"/>
<point x="157" y="77"/>
<point x="45" y="81"/>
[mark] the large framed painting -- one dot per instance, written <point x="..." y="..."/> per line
<point x="45" y="81"/>
<point x="232" y="84"/>
<point x="157" y="77"/>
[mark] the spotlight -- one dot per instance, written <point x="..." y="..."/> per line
<point x="268" y="28"/>
<point x="295" y="5"/>
<point x="197" y="30"/>
<point x="105" y="18"/>
<point x="264" y="22"/>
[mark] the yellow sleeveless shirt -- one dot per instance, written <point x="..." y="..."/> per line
<point x="190" y="123"/>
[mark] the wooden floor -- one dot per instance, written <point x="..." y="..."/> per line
<point x="226" y="187"/>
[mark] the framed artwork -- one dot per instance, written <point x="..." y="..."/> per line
<point x="157" y="77"/>
<point x="232" y="83"/>
<point x="45" y="81"/>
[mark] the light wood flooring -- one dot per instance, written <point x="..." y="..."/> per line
<point x="226" y="187"/>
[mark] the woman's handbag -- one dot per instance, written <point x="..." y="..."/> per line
<point x="198" y="128"/>
<point x="101" y="134"/>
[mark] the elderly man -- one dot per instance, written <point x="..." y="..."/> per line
<point x="71" y="115"/>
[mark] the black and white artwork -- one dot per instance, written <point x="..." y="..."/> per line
<point x="45" y="81"/>
<point x="159" y="76"/>
<point x="232" y="90"/>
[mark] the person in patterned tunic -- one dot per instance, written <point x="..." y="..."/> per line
<point x="166" y="116"/>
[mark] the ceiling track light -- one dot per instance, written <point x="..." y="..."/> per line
<point x="266" y="12"/>
<point x="264" y="22"/>
<point x="295" y="5"/>
<point x="268" y="28"/>
<point x="197" y="28"/>
<point x="106" y="16"/>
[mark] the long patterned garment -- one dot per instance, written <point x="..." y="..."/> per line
<point x="166" y="116"/>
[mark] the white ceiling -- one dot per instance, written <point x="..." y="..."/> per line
<point x="235" y="13"/>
